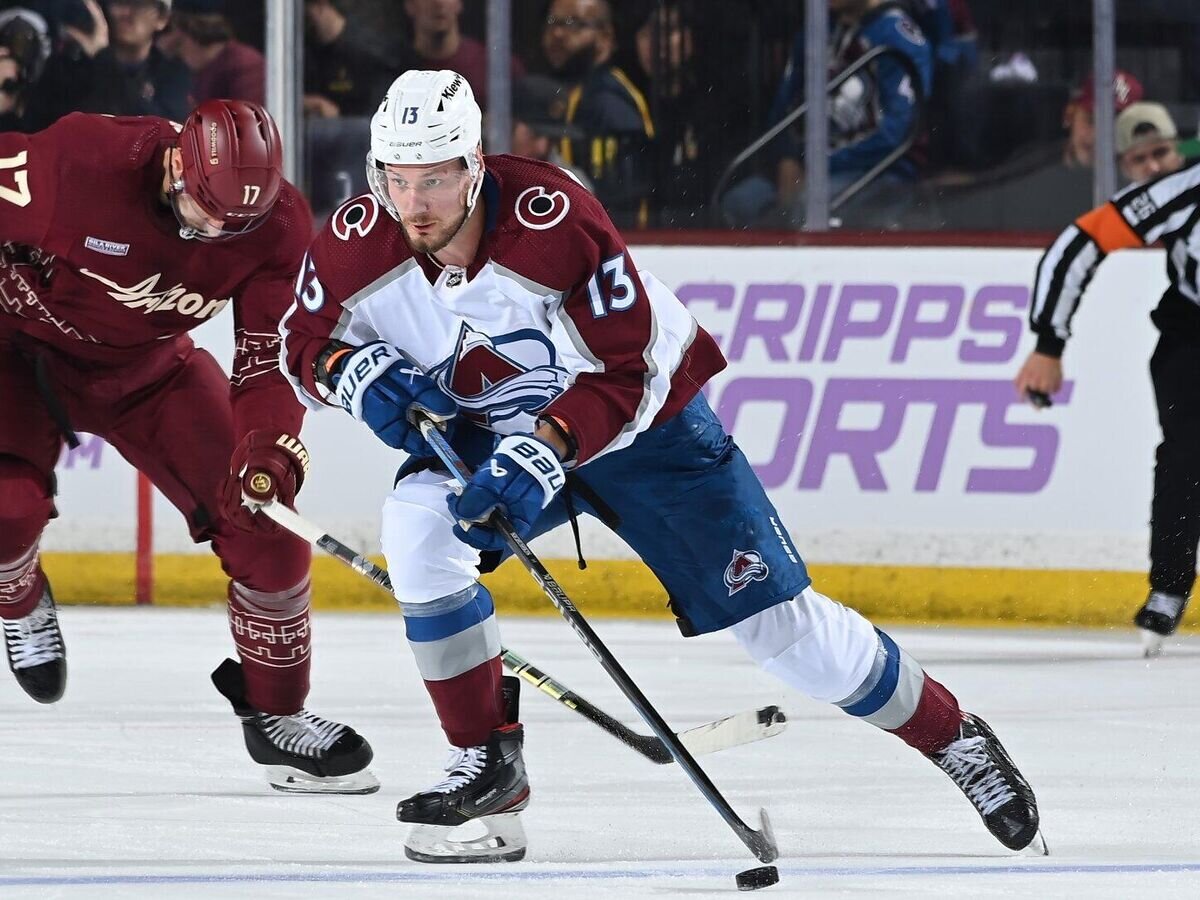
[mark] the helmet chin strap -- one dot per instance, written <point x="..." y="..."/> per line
<point x="187" y="232"/>
<point x="476" y="172"/>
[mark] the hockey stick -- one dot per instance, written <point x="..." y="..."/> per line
<point x="761" y="843"/>
<point x="732" y="731"/>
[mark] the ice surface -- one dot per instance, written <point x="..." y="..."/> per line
<point x="136" y="784"/>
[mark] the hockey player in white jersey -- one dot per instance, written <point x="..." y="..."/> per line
<point x="495" y="294"/>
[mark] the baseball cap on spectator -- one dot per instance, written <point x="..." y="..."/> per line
<point x="1141" y="122"/>
<point x="1126" y="90"/>
<point x="541" y="103"/>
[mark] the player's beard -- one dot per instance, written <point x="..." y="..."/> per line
<point x="437" y="240"/>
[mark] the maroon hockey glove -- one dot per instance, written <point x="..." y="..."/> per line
<point x="266" y="466"/>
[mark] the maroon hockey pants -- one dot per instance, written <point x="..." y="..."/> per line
<point x="169" y="414"/>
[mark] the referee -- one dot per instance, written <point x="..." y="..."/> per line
<point x="1162" y="204"/>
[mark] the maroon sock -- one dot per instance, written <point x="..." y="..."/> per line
<point x="471" y="705"/>
<point x="935" y="722"/>
<point x="275" y="648"/>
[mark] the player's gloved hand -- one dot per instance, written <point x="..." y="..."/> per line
<point x="266" y="465"/>
<point x="520" y="478"/>
<point x="378" y="386"/>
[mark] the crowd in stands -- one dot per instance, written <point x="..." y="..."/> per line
<point x="966" y="114"/>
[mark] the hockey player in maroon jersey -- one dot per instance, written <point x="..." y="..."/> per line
<point x="119" y="236"/>
<point x="505" y="304"/>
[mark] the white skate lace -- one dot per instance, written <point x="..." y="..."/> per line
<point x="463" y="765"/>
<point x="967" y="762"/>
<point x="1164" y="604"/>
<point x="302" y="733"/>
<point x="34" y="639"/>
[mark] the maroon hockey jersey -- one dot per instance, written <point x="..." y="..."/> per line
<point x="93" y="263"/>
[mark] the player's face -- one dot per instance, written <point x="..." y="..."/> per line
<point x="1151" y="159"/>
<point x="189" y="213"/>
<point x="431" y="202"/>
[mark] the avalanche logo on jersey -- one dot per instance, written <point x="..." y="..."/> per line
<point x="502" y="382"/>
<point x="745" y="567"/>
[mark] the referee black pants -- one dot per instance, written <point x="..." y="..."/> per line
<point x="1175" y="514"/>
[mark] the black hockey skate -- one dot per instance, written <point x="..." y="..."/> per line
<point x="1158" y="618"/>
<point x="979" y="765"/>
<point x="302" y="753"/>
<point x="485" y="786"/>
<point x="36" y="653"/>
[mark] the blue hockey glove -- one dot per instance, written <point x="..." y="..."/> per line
<point x="379" y="386"/>
<point x="520" y="478"/>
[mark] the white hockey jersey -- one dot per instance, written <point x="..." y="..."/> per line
<point x="551" y="316"/>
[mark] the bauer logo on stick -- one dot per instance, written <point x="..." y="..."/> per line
<point x="745" y="567"/>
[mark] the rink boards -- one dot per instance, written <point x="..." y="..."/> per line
<point x="870" y="387"/>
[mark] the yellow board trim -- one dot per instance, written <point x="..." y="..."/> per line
<point x="625" y="588"/>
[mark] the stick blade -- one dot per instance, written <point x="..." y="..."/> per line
<point x="732" y="731"/>
<point x="762" y="842"/>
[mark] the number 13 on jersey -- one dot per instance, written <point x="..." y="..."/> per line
<point x="611" y="289"/>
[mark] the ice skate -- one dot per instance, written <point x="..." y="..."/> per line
<point x="1158" y="618"/>
<point x="302" y="752"/>
<point x="983" y="771"/>
<point x="36" y="653"/>
<point x="485" y="789"/>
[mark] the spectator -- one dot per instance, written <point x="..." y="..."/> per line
<point x="954" y="51"/>
<point x="1047" y="184"/>
<point x="113" y="67"/>
<point x="690" y="135"/>
<point x="950" y="29"/>
<point x="610" y="112"/>
<point x="24" y="48"/>
<point x="1147" y="142"/>
<point x="1079" y="118"/>
<point x="222" y="67"/>
<point x="538" y="112"/>
<point x="870" y="115"/>
<point x="439" y="44"/>
<point x="342" y="74"/>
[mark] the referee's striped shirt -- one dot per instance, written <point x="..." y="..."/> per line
<point x="1166" y="209"/>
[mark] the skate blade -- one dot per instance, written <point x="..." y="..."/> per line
<point x="294" y="781"/>
<point x="1152" y="643"/>
<point x="1037" y="847"/>
<point x="503" y="840"/>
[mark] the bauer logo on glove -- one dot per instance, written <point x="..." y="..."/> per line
<point x="379" y="386"/>
<point x="521" y="478"/>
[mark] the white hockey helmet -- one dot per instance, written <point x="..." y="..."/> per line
<point x="425" y="118"/>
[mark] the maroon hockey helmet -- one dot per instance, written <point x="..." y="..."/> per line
<point x="232" y="165"/>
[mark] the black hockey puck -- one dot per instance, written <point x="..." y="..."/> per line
<point x="753" y="879"/>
